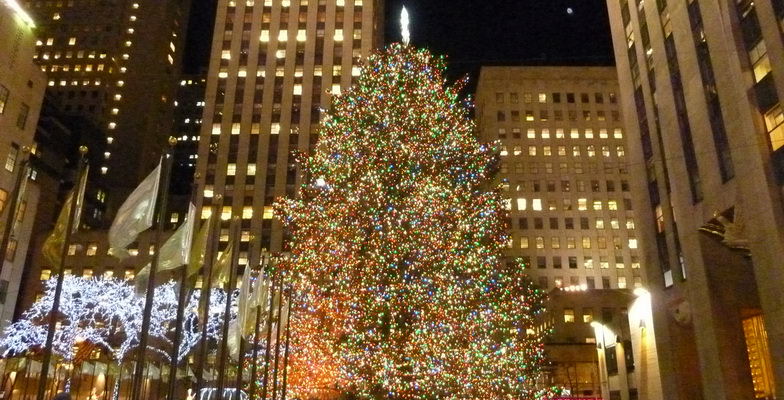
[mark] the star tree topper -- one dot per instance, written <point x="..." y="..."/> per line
<point x="404" y="21"/>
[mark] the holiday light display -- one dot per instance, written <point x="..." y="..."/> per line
<point x="108" y="313"/>
<point x="397" y="240"/>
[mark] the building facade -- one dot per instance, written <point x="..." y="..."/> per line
<point x="565" y="175"/>
<point x="702" y="83"/>
<point x="272" y="68"/>
<point x="22" y="87"/>
<point x="188" y="112"/>
<point x="564" y="172"/>
<point x="117" y="63"/>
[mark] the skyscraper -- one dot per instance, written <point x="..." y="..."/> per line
<point x="702" y="83"/>
<point x="564" y="172"/>
<point x="21" y="95"/>
<point x="272" y="68"/>
<point x="116" y="62"/>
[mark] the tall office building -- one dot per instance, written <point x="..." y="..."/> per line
<point x="188" y="112"/>
<point x="702" y="83"/>
<point x="272" y="68"/>
<point x="116" y="62"/>
<point x="564" y="171"/>
<point x="21" y="95"/>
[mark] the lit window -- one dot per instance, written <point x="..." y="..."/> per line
<point x="247" y="212"/>
<point x="632" y="243"/>
<point x="539" y="242"/>
<point x="206" y="212"/>
<point x="283" y="36"/>
<point x="760" y="61"/>
<point x="46" y="274"/>
<point x="338" y="35"/>
<point x="92" y="249"/>
<point x="621" y="282"/>
<point x="71" y="41"/>
<point x="524" y="242"/>
<point x="774" y="122"/>
<point x="568" y="315"/>
<point x="543" y="97"/>
<point x="226" y="213"/>
<point x="268" y="212"/>
<point x="536" y="204"/>
<point x="264" y="36"/>
<point x="231" y="169"/>
<point x="302" y="35"/>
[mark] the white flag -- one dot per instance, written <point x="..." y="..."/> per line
<point x="135" y="215"/>
<point x="176" y="251"/>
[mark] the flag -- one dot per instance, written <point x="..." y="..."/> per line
<point x="220" y="272"/>
<point x="53" y="245"/>
<point x="243" y="302"/>
<point x="233" y="342"/>
<point x="259" y="300"/>
<point x="135" y="215"/>
<point x="175" y="251"/>
<point x="199" y="248"/>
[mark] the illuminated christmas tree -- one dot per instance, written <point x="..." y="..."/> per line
<point x="397" y="238"/>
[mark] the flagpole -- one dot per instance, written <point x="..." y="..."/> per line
<point x="269" y="338"/>
<point x="277" y="340"/>
<point x="161" y="205"/>
<point x="286" y="350"/>
<point x="10" y="221"/>
<point x="206" y="290"/>
<point x="241" y="355"/>
<point x="181" y="301"/>
<point x="227" y="311"/>
<point x="262" y="275"/>
<point x="44" y="376"/>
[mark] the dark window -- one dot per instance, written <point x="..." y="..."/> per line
<point x="584" y="223"/>
<point x="569" y="223"/>
<point x="556" y="97"/>
<point x="584" y="98"/>
<point x="557" y="262"/>
<point x="541" y="262"/>
<point x="612" y="360"/>
<point x="570" y="97"/>
<point x="572" y="262"/>
<point x="523" y="222"/>
<point x="538" y="223"/>
<point x="628" y="355"/>
<point x="590" y="282"/>
<point x="553" y="223"/>
<point x="21" y="120"/>
<point x="543" y="282"/>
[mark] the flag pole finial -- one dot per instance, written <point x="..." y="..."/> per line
<point x="404" y="21"/>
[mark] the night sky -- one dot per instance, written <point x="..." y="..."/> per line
<point x="473" y="32"/>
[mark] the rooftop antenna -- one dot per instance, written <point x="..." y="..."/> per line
<point x="404" y="26"/>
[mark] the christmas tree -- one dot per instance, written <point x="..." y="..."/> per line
<point x="397" y="241"/>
